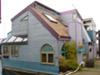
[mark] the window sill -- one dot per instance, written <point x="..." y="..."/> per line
<point x="46" y="63"/>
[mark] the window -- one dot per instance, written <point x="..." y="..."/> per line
<point x="47" y="54"/>
<point x="87" y="21"/>
<point x="24" y="18"/>
<point x="50" y="18"/>
<point x="50" y="58"/>
<point x="64" y="51"/>
<point x="44" y="57"/>
<point x="12" y="39"/>
<point x="19" y="39"/>
<point x="14" y="50"/>
<point x="6" y="51"/>
<point x="10" y="49"/>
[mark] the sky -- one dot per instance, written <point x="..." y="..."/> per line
<point x="86" y="8"/>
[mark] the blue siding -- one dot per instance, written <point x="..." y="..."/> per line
<point x="31" y="66"/>
<point x="90" y="33"/>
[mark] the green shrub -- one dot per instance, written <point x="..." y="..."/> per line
<point x="68" y="62"/>
<point x="70" y="50"/>
<point x="71" y="64"/>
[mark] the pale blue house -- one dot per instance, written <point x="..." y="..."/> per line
<point x="38" y="34"/>
<point x="35" y="42"/>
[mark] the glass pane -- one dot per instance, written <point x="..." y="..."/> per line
<point x="16" y="51"/>
<point x="18" y="39"/>
<point x="5" y="40"/>
<point x="51" y="18"/>
<point x="44" y="58"/>
<point x="47" y="48"/>
<point x="25" y="39"/>
<point x="12" y="50"/>
<point x="5" y="50"/>
<point x="12" y="39"/>
<point x="50" y="58"/>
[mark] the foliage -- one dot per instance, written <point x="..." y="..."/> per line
<point x="70" y="49"/>
<point x="66" y="65"/>
<point x="68" y="61"/>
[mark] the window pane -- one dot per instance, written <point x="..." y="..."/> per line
<point x="51" y="18"/>
<point x="44" y="58"/>
<point x="12" y="39"/>
<point x="14" y="50"/>
<point x="50" y="58"/>
<point x="25" y="39"/>
<point x="18" y="39"/>
<point x="5" y="50"/>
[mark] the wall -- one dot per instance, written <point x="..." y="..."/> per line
<point x="73" y="21"/>
<point x="38" y="35"/>
<point x="19" y="25"/>
<point x="74" y="24"/>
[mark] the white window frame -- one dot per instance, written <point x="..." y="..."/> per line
<point x="47" y="60"/>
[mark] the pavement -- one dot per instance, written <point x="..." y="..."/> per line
<point x="90" y="71"/>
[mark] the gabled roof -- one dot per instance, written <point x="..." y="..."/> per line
<point x="58" y="30"/>
<point x="72" y="11"/>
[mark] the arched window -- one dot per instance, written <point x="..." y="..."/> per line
<point x="47" y="54"/>
<point x="64" y="51"/>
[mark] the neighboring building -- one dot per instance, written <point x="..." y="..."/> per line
<point x="90" y="27"/>
<point x="77" y="30"/>
<point x="38" y="34"/>
<point x="98" y="33"/>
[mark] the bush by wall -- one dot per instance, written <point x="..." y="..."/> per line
<point x="69" y="60"/>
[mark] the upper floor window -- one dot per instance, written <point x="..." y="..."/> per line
<point x="25" y="18"/>
<point x="52" y="19"/>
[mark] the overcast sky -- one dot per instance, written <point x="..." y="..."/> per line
<point x="87" y="9"/>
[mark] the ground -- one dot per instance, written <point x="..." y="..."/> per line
<point x="90" y="71"/>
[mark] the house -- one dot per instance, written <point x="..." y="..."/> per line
<point x="98" y="45"/>
<point x="90" y="27"/>
<point x="37" y="37"/>
<point x="77" y="31"/>
<point x="35" y="42"/>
